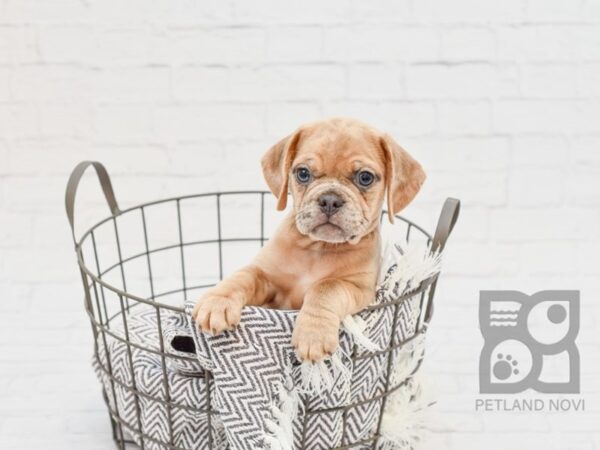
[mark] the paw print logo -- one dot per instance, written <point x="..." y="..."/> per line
<point x="528" y="340"/>
<point x="505" y="367"/>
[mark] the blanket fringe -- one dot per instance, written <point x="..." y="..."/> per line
<point x="280" y="433"/>
<point x="403" y="422"/>
<point x="415" y="262"/>
<point x="404" y="417"/>
<point x="356" y="326"/>
<point x="318" y="377"/>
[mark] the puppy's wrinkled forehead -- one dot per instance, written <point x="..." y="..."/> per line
<point x="336" y="151"/>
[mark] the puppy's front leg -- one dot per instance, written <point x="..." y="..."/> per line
<point x="220" y="307"/>
<point x="326" y="304"/>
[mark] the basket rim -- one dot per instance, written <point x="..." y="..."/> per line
<point x="151" y="302"/>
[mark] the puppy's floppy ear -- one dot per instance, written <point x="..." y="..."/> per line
<point x="276" y="164"/>
<point x="404" y="176"/>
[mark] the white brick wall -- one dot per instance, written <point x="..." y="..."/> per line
<point x="499" y="100"/>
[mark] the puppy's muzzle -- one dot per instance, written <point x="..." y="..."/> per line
<point x="330" y="203"/>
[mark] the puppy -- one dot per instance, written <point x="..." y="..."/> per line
<point x="324" y="258"/>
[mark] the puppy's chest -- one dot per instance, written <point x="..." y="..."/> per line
<point x="305" y="279"/>
<point x="290" y="290"/>
<point x="292" y="278"/>
<point x="302" y="274"/>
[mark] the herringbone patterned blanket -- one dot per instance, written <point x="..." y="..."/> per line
<point x="264" y="396"/>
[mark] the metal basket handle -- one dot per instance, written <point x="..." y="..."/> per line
<point x="73" y="184"/>
<point x="445" y="225"/>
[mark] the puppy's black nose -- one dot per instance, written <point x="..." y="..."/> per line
<point x="330" y="203"/>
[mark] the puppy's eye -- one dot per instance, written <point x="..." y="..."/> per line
<point x="364" y="178"/>
<point x="303" y="175"/>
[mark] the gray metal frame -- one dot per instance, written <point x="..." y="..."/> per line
<point x="95" y="298"/>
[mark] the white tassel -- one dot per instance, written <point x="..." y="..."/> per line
<point x="318" y="377"/>
<point x="272" y="443"/>
<point x="277" y="433"/>
<point x="414" y="264"/>
<point x="405" y="412"/>
<point x="280" y="430"/>
<point x="356" y="327"/>
<point x="403" y="422"/>
<point x="408" y="359"/>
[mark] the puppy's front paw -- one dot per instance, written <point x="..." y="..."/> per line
<point x="314" y="337"/>
<point x="215" y="313"/>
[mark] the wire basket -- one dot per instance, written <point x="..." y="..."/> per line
<point x="155" y="255"/>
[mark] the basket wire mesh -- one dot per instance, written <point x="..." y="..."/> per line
<point x="112" y="287"/>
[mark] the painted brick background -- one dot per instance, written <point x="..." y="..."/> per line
<point x="500" y="101"/>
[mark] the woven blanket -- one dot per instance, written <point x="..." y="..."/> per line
<point x="265" y="397"/>
<point x="120" y="374"/>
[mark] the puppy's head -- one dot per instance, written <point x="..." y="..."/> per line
<point x="339" y="171"/>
